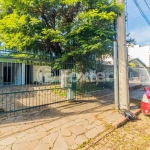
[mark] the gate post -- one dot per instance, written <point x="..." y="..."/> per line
<point x="73" y="86"/>
<point x="71" y="92"/>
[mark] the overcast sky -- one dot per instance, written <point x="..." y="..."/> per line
<point x="138" y="28"/>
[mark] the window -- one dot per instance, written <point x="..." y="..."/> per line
<point x="55" y="72"/>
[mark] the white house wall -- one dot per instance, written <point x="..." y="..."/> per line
<point x="140" y="52"/>
<point x="43" y="71"/>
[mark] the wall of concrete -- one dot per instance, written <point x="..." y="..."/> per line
<point x="141" y="52"/>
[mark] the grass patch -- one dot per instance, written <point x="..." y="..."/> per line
<point x="87" y="87"/>
<point x="84" y="88"/>
<point x="108" y="125"/>
<point x="84" y="143"/>
<point x="59" y="91"/>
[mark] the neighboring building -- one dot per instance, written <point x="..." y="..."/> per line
<point x="17" y="72"/>
<point x="43" y="74"/>
<point x="11" y="72"/>
<point x="137" y="62"/>
<point x="141" y="52"/>
<point x="140" y="72"/>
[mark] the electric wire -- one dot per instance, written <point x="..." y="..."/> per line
<point x="141" y="11"/>
<point x="147" y="4"/>
<point x="137" y="31"/>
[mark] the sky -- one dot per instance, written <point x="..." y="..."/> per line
<point x="136" y="25"/>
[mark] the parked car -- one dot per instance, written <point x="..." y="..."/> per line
<point x="145" y="103"/>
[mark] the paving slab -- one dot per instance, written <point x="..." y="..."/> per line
<point x="77" y="130"/>
<point x="134" y="135"/>
<point x="8" y="141"/>
<point x="66" y="132"/>
<point x="60" y="143"/>
<point x="80" y="139"/>
<point x="70" y="141"/>
<point x="31" y="146"/>
<point x="60" y="128"/>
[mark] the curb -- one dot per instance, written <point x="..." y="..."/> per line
<point x="123" y="120"/>
<point x="115" y="125"/>
<point x="135" y="87"/>
<point x="98" y="138"/>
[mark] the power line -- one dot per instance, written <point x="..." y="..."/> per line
<point x="147" y="4"/>
<point x="141" y="11"/>
<point x="139" y="28"/>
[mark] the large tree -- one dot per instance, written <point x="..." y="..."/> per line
<point x="73" y="29"/>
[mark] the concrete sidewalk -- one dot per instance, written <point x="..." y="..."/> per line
<point x="60" y="128"/>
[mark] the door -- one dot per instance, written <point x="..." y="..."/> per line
<point x="7" y="74"/>
<point x="27" y="74"/>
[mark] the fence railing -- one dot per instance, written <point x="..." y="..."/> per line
<point x="35" y="82"/>
<point x="28" y="83"/>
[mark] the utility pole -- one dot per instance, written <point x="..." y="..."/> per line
<point x="122" y="61"/>
<point x="116" y="75"/>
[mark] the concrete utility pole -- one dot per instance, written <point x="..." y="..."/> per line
<point x="116" y="77"/>
<point x="116" y="74"/>
<point x="122" y="61"/>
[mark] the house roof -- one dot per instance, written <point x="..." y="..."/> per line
<point x="131" y="60"/>
<point x="137" y="59"/>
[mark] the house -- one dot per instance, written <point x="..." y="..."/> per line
<point x="44" y="74"/>
<point x="16" y="72"/>
<point x="138" y="72"/>
<point x="11" y="72"/>
<point x="141" y="52"/>
<point x="137" y="62"/>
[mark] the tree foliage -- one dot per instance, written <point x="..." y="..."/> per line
<point x="130" y="41"/>
<point x="73" y="29"/>
<point x="132" y="64"/>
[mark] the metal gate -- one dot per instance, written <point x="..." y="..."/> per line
<point x="139" y="75"/>
<point x="31" y="81"/>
